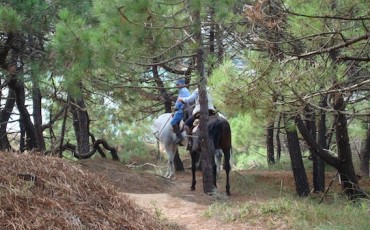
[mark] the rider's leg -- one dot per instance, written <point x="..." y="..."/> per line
<point x="179" y="137"/>
<point x="176" y="128"/>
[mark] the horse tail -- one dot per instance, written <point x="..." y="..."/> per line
<point x="220" y="132"/>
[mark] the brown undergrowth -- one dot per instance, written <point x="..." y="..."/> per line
<point x="39" y="192"/>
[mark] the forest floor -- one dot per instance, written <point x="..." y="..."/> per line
<point x="39" y="192"/>
<point x="172" y="199"/>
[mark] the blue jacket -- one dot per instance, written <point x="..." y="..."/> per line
<point x="183" y="92"/>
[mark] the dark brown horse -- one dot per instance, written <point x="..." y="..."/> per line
<point x="220" y="133"/>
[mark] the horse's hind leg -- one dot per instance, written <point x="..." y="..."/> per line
<point x="218" y="157"/>
<point x="214" y="174"/>
<point x="227" y="168"/>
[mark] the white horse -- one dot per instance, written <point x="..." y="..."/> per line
<point x="163" y="132"/>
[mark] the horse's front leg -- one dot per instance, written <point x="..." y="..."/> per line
<point x="170" y="173"/>
<point x="193" y="155"/>
<point x="168" y="170"/>
<point x="171" y="168"/>
<point x="170" y="165"/>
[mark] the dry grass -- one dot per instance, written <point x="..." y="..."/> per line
<point x="38" y="192"/>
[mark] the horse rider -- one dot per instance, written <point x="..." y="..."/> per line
<point x="179" y="110"/>
<point x="190" y="121"/>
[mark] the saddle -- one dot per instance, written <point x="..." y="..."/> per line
<point x="212" y="115"/>
<point x="181" y="126"/>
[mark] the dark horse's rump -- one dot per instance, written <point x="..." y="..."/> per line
<point x="219" y="133"/>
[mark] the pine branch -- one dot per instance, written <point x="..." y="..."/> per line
<point x="327" y="16"/>
<point x="329" y="49"/>
<point x="348" y="58"/>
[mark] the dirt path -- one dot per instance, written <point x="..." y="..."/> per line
<point x="170" y="199"/>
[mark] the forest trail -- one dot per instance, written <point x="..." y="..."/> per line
<point x="170" y="199"/>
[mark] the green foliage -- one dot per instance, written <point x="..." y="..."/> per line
<point x="290" y="126"/>
<point x="134" y="149"/>
<point x="357" y="130"/>
<point x="133" y="139"/>
<point x="247" y="141"/>
<point x="256" y="157"/>
<point x="228" y="87"/>
<point x="10" y="20"/>
<point x="74" y="55"/>
<point x="247" y="131"/>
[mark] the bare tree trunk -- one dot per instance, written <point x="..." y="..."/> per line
<point x="270" y="143"/>
<point x="299" y="173"/>
<point x="83" y="122"/>
<point x="205" y="145"/>
<point x="277" y="138"/>
<point x="37" y="116"/>
<point x="179" y="166"/>
<point x="4" y="119"/>
<point x="318" y="172"/>
<point x="365" y="153"/>
<point x="81" y="126"/>
<point x="346" y="169"/>
<point x="270" y="138"/>
<point x="318" y="163"/>
<point x="25" y="117"/>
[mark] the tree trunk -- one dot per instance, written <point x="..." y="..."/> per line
<point x="318" y="163"/>
<point x="22" y="137"/>
<point x="4" y="119"/>
<point x="278" y="142"/>
<point x="365" y="153"/>
<point x="346" y="169"/>
<point x="179" y="166"/>
<point x="83" y="123"/>
<point x="37" y="117"/>
<point x="270" y="143"/>
<point x="220" y="46"/>
<point x="205" y="145"/>
<point x="299" y="173"/>
<point x="318" y="172"/>
<point x="270" y="138"/>
<point x="81" y="127"/>
<point x="25" y="117"/>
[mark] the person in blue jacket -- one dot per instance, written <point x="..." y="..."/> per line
<point x="179" y="110"/>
